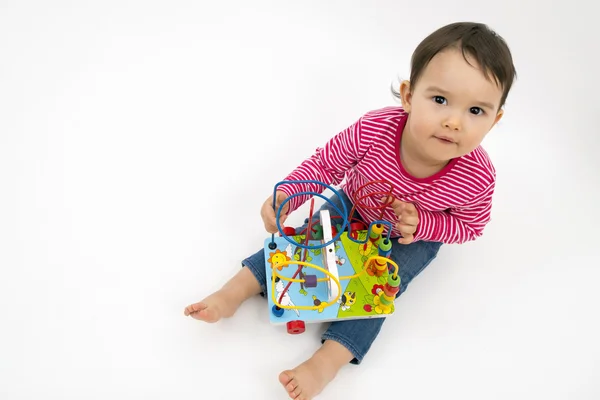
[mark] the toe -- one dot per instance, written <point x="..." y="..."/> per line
<point x="192" y="308"/>
<point x="290" y="387"/>
<point x="203" y="312"/>
<point x="286" y="377"/>
<point x="207" y="315"/>
<point x="303" y="396"/>
<point x="296" y="394"/>
<point x="290" y="384"/>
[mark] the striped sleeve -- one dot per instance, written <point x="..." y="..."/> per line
<point x="329" y="163"/>
<point x="458" y="224"/>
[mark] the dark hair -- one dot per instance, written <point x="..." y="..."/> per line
<point x="474" y="39"/>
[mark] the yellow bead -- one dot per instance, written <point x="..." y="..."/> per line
<point x="385" y="301"/>
<point x="381" y="267"/>
<point x="377" y="229"/>
<point x="388" y="298"/>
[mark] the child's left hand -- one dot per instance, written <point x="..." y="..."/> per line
<point x="408" y="219"/>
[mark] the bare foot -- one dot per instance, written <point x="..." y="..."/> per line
<point x="310" y="378"/>
<point x="224" y="302"/>
<point x="221" y="304"/>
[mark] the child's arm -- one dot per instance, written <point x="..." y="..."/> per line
<point x="456" y="225"/>
<point x="329" y="163"/>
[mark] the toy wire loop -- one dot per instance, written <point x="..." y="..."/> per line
<point x="393" y="279"/>
<point x="343" y="215"/>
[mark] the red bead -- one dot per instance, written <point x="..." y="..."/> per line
<point x="390" y="290"/>
<point x="357" y="226"/>
<point x="289" y="231"/>
<point x="295" y="327"/>
<point x="333" y="231"/>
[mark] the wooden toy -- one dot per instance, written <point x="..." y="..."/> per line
<point x="331" y="270"/>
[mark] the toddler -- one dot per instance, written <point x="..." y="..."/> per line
<point x="429" y="149"/>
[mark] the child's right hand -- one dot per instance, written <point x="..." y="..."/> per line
<point x="268" y="213"/>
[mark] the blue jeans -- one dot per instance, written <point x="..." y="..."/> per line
<point x="358" y="335"/>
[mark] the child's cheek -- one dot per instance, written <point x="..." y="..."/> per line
<point x="422" y="127"/>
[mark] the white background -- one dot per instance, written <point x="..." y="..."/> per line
<point x="120" y="124"/>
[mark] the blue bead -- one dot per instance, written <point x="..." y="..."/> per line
<point x="278" y="312"/>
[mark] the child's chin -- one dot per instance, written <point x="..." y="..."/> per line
<point x="442" y="156"/>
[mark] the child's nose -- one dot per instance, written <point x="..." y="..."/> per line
<point x="452" y="122"/>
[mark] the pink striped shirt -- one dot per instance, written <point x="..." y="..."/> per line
<point x="454" y="205"/>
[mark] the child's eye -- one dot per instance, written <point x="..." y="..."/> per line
<point x="439" y="99"/>
<point x="476" y="110"/>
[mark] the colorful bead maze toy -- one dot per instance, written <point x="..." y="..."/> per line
<point x="352" y="275"/>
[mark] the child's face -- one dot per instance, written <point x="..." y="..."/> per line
<point x="452" y="107"/>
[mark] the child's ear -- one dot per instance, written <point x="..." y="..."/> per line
<point x="499" y="116"/>
<point x="406" y="95"/>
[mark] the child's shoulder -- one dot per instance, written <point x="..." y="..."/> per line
<point x="382" y="123"/>
<point x="390" y="114"/>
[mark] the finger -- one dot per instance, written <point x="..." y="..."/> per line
<point x="268" y="217"/>
<point x="281" y="221"/>
<point x="408" y="219"/>
<point x="409" y="209"/>
<point x="396" y="205"/>
<point x="271" y="225"/>
<point x="281" y="197"/>
<point x="266" y="213"/>
<point x="408" y="239"/>
<point x="269" y="228"/>
<point x="283" y="211"/>
<point x="387" y="200"/>
<point x="406" y="229"/>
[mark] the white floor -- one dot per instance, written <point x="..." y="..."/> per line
<point x="119" y="124"/>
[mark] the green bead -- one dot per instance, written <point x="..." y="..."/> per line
<point x="318" y="235"/>
<point x="384" y="301"/>
<point x="385" y="245"/>
<point x="394" y="282"/>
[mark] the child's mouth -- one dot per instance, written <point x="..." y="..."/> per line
<point x="444" y="139"/>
